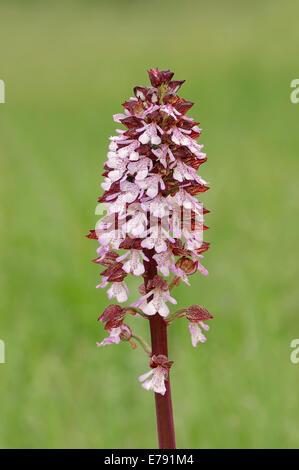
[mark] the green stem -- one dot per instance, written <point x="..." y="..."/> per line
<point x="173" y="283"/>
<point x="175" y="314"/>
<point x="143" y="343"/>
<point x="137" y="310"/>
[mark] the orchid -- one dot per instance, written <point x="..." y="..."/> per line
<point x="159" y="373"/>
<point x="153" y="227"/>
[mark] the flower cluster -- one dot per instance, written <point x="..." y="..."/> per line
<point x="153" y="215"/>
<point x="113" y="317"/>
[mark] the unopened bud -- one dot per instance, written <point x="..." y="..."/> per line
<point x="187" y="265"/>
<point x="160" y="360"/>
<point x="196" y="313"/>
<point x="126" y="333"/>
<point x="113" y="316"/>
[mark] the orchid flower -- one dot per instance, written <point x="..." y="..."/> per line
<point x="153" y="227"/>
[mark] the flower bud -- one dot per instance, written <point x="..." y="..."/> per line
<point x="113" y="316"/>
<point x="114" y="273"/>
<point x="126" y="333"/>
<point x="160" y="360"/>
<point x="196" y="313"/>
<point x="187" y="265"/>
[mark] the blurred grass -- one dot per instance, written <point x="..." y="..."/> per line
<point x="67" y="67"/>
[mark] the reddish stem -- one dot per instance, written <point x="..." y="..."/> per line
<point x="158" y="328"/>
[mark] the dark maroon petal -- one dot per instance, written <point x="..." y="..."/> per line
<point x="196" y="313"/>
<point x="196" y="188"/>
<point x="113" y="316"/>
<point x="194" y="134"/>
<point x="170" y="98"/>
<point x="130" y="106"/>
<point x="155" y="77"/>
<point x="178" y="248"/>
<point x="113" y="191"/>
<point x="92" y="235"/>
<point x="131" y="122"/>
<point x="182" y="152"/>
<point x="194" y="162"/>
<point x="157" y="282"/>
<point x="154" y="116"/>
<point x="131" y="244"/>
<point x="204" y="247"/>
<point x="175" y="85"/>
<point x="141" y="91"/>
<point x="108" y="260"/>
<point x="114" y="273"/>
<point x="160" y="360"/>
<point x="183" y="105"/>
<point x="166" y="76"/>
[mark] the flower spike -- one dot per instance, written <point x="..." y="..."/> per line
<point x="153" y="226"/>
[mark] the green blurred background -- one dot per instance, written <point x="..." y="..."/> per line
<point x="67" y="67"/>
